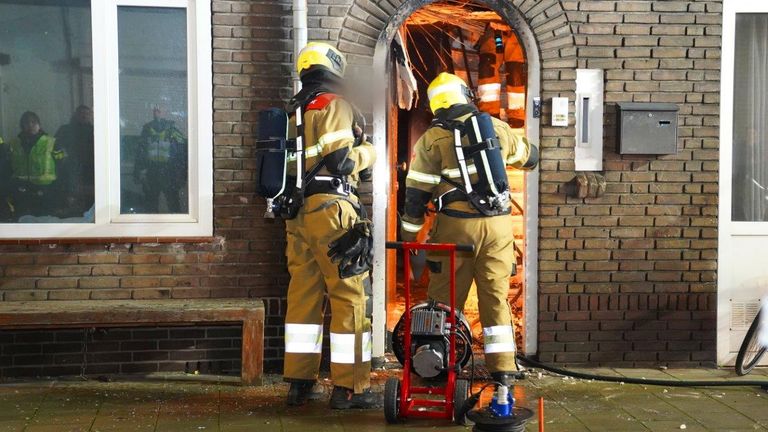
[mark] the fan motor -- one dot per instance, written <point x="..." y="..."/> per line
<point x="430" y="333"/>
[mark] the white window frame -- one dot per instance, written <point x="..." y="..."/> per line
<point x="732" y="234"/>
<point x="109" y="222"/>
<point x="729" y="227"/>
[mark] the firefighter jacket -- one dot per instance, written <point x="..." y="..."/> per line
<point x="328" y="136"/>
<point x="35" y="164"/>
<point x="434" y="159"/>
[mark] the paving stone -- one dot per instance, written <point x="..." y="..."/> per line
<point x="570" y="405"/>
<point x="306" y="423"/>
<point x="168" y="424"/>
<point x="725" y="420"/>
<point x="655" y="413"/>
<point x="670" y="425"/>
<point x="12" y="425"/>
<point x="63" y="416"/>
<point x="57" y="428"/>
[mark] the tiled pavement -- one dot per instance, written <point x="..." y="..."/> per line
<point x="570" y="405"/>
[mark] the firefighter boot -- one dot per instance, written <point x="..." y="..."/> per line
<point x="344" y="398"/>
<point x="301" y="391"/>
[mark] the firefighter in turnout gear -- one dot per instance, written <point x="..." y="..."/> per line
<point x="449" y="153"/>
<point x="327" y="237"/>
<point x="507" y="102"/>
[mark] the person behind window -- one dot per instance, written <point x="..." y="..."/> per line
<point x="33" y="158"/>
<point x="77" y="174"/>
<point x="161" y="163"/>
<point x="5" y="183"/>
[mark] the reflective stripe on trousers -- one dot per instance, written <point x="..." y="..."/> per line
<point x="343" y="348"/>
<point x="303" y="338"/>
<point x="489" y="267"/>
<point x="499" y="339"/>
<point x="515" y="100"/>
<point x="315" y="281"/>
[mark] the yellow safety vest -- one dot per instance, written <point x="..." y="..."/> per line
<point x="39" y="165"/>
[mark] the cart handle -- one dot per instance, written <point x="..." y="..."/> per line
<point x="431" y="246"/>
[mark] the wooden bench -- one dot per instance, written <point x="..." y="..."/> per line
<point x="143" y="313"/>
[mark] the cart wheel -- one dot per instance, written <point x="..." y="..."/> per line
<point x="392" y="400"/>
<point x="460" y="395"/>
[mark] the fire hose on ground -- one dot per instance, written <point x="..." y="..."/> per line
<point x="643" y="381"/>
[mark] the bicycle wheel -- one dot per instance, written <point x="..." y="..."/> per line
<point x="751" y="351"/>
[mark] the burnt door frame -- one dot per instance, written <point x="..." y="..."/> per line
<point x="381" y="172"/>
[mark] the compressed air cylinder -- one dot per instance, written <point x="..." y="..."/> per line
<point x="491" y="167"/>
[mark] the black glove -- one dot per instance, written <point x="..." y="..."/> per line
<point x="353" y="251"/>
<point x="359" y="266"/>
<point x="358" y="128"/>
<point x="366" y="174"/>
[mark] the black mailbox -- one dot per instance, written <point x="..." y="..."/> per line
<point x="647" y="128"/>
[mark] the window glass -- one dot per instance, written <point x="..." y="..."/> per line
<point x="153" y="110"/>
<point x="750" y="110"/>
<point x="46" y="122"/>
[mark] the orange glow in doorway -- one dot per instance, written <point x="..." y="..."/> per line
<point x="459" y="37"/>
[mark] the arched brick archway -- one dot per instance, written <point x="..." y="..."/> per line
<point x="543" y="29"/>
<point x="368" y="23"/>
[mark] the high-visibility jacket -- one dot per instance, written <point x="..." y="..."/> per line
<point x="158" y="140"/>
<point x="38" y="166"/>
<point x="434" y="157"/>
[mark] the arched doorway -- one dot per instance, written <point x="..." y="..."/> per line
<point x="496" y="18"/>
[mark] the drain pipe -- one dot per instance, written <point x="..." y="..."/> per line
<point x="299" y="37"/>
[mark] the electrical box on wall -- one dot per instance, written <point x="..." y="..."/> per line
<point x="589" y="120"/>
<point x="647" y="128"/>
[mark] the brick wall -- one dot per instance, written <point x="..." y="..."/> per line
<point x="120" y="351"/>
<point x="625" y="279"/>
<point x="629" y="278"/>
<point x="244" y="259"/>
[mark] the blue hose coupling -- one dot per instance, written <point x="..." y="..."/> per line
<point x="502" y="402"/>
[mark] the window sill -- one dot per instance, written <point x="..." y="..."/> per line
<point x="107" y="240"/>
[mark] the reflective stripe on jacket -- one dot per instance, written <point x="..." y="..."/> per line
<point x="159" y="142"/>
<point x="434" y="158"/>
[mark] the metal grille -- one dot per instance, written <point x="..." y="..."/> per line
<point x="743" y="312"/>
<point x="427" y="322"/>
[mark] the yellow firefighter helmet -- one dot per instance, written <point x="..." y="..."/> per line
<point x="320" y="55"/>
<point x="447" y="90"/>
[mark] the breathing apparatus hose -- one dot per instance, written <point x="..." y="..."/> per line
<point x="628" y="380"/>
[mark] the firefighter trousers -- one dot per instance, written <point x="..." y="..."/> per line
<point x="490" y="267"/>
<point x="322" y="219"/>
